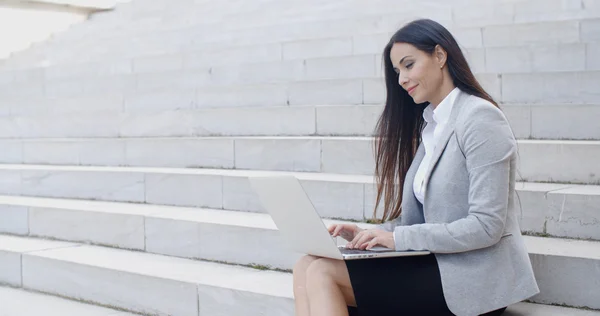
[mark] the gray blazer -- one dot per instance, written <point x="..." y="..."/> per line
<point x="469" y="218"/>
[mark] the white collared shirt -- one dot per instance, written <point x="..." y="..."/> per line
<point x="436" y="122"/>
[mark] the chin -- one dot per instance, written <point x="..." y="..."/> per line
<point x="417" y="100"/>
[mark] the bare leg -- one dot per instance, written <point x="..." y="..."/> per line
<point x="300" y="294"/>
<point x="329" y="288"/>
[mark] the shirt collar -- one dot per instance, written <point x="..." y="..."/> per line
<point x="428" y="113"/>
<point x="441" y="114"/>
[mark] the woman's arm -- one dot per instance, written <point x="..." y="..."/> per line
<point x="389" y="226"/>
<point x="489" y="146"/>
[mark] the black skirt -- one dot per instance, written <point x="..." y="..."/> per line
<point x="398" y="286"/>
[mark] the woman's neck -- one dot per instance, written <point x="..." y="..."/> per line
<point x="445" y="90"/>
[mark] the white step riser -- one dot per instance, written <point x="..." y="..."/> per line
<point x="554" y="121"/>
<point x="203" y="16"/>
<point x="474" y="14"/>
<point x="552" y="32"/>
<point x="10" y="273"/>
<point x="244" y="245"/>
<point x="166" y="235"/>
<point x="116" y="230"/>
<point x="242" y="18"/>
<point x="554" y="163"/>
<point x="565" y="280"/>
<point x="263" y="246"/>
<point x="342" y="58"/>
<point x="147" y="233"/>
<point x="557" y="210"/>
<point x="245" y="13"/>
<point x="160" y="235"/>
<point x="19" y="302"/>
<point x="124" y="290"/>
<point x="147" y="292"/>
<point x="541" y="209"/>
<point x="532" y="88"/>
<point x="547" y="310"/>
<point x="332" y="198"/>
<point x="15" y="219"/>
<point x="144" y="292"/>
<point x="342" y="156"/>
<point x="528" y="121"/>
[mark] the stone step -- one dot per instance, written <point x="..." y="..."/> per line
<point x="554" y="121"/>
<point x="18" y="302"/>
<point x="342" y="155"/>
<point x="246" y="238"/>
<point x="556" y="209"/>
<point x="526" y="309"/>
<point x="177" y="231"/>
<point x="103" y="118"/>
<point x="193" y="89"/>
<point x="231" y="17"/>
<point x="487" y="14"/>
<point x="142" y="282"/>
<point x="235" y="16"/>
<point x="538" y="161"/>
<point x="340" y="58"/>
<point x="575" y="284"/>
<point x="564" y="27"/>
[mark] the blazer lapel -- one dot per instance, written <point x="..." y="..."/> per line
<point x="445" y="136"/>
<point x="409" y="193"/>
<point x="411" y="213"/>
<point x="414" y="166"/>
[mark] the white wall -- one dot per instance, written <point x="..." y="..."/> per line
<point x="27" y="23"/>
<point x="23" y="22"/>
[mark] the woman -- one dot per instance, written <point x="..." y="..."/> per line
<point x="443" y="140"/>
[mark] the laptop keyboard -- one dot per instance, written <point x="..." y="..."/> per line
<point x="347" y="251"/>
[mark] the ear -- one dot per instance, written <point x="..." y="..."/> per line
<point x="441" y="56"/>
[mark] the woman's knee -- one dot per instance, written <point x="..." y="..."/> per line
<point x="321" y="269"/>
<point x="329" y="273"/>
<point x="302" y="265"/>
<point x="300" y="269"/>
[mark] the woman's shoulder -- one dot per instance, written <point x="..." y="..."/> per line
<point x="483" y="118"/>
<point x="474" y="105"/>
<point x="475" y="111"/>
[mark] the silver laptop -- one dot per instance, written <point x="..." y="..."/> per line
<point x="300" y="224"/>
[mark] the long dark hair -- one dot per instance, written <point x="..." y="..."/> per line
<point x="398" y="131"/>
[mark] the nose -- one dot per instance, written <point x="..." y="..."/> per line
<point x="402" y="80"/>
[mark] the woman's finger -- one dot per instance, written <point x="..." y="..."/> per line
<point x="356" y="238"/>
<point x="364" y="245"/>
<point x="337" y="230"/>
<point x="366" y="238"/>
<point x="374" y="242"/>
<point x="361" y="238"/>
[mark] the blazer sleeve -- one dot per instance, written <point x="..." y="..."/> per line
<point x="389" y="226"/>
<point x="489" y="146"/>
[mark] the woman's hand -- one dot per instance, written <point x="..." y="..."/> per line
<point x="346" y="231"/>
<point x="367" y="239"/>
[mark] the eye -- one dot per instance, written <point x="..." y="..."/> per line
<point x="409" y="65"/>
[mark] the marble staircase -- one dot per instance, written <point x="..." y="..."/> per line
<point x="127" y="142"/>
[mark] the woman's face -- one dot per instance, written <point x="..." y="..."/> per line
<point x="419" y="73"/>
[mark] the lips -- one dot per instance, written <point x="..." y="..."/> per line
<point x="410" y="90"/>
